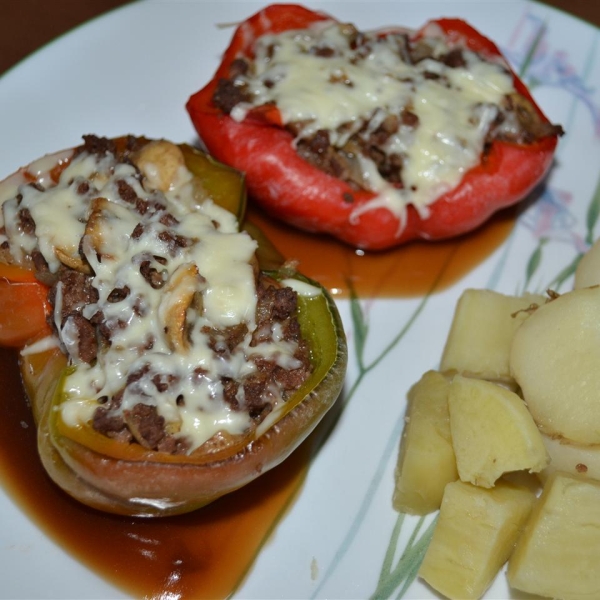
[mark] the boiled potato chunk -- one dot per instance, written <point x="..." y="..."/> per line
<point x="577" y="459"/>
<point x="557" y="555"/>
<point x="426" y="458"/>
<point x="474" y="536"/>
<point x="481" y="333"/>
<point x="554" y="358"/>
<point x="588" y="269"/>
<point x="492" y="432"/>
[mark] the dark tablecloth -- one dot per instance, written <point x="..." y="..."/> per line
<point x="26" y="25"/>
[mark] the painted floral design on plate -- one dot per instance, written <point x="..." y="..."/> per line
<point x="557" y="227"/>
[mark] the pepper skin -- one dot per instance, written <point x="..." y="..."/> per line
<point x="23" y="306"/>
<point x="294" y="191"/>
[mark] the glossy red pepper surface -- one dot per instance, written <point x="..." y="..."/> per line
<point x="299" y="193"/>
<point x="23" y="306"/>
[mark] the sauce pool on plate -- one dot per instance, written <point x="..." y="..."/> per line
<point x="410" y="270"/>
<point x="203" y="554"/>
<point x="207" y="553"/>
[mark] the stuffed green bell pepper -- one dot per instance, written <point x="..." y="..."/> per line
<point x="173" y="357"/>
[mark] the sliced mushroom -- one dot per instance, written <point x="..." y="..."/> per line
<point x="178" y="295"/>
<point x="161" y="163"/>
<point x="72" y="259"/>
<point x="94" y="229"/>
<point x="108" y="227"/>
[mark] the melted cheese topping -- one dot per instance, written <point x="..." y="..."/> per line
<point x="319" y="78"/>
<point x="205" y="280"/>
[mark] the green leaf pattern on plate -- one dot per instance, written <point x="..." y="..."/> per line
<point x="400" y="564"/>
<point x="541" y="252"/>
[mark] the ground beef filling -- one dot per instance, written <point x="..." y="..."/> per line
<point x="71" y="293"/>
<point x="143" y="424"/>
<point x="526" y="126"/>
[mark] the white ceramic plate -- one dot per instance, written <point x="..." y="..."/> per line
<point x="131" y="72"/>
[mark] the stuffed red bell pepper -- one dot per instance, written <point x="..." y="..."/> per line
<point x="376" y="138"/>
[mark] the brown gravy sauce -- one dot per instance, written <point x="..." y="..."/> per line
<point x="206" y="554"/>
<point x="411" y="270"/>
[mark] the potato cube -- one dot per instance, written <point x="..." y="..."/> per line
<point x="587" y="273"/>
<point x="474" y="536"/>
<point x="557" y="555"/>
<point x="481" y="333"/>
<point x="492" y="432"/>
<point x="426" y="459"/>
<point x="554" y="358"/>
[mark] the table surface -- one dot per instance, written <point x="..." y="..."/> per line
<point x="24" y="35"/>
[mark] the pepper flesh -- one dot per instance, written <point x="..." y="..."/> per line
<point x="299" y="193"/>
<point x="23" y="306"/>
